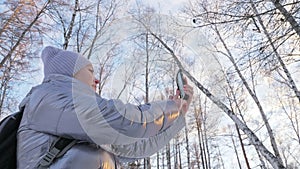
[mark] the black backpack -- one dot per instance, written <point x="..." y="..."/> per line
<point x="8" y="144"/>
<point x="8" y="140"/>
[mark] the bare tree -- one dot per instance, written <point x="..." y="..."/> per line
<point x="168" y="156"/>
<point x="187" y="146"/>
<point x="263" y="37"/>
<point x="255" y="98"/>
<point x="283" y="65"/>
<point x="251" y="135"/>
<point x="24" y="28"/>
<point x="198" y="113"/>
<point x="68" y="31"/>
<point x="288" y="15"/>
<point x="19" y="33"/>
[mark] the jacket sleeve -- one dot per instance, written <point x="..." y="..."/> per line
<point x="113" y="122"/>
<point x="146" y="147"/>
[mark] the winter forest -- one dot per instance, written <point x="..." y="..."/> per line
<point x="241" y="57"/>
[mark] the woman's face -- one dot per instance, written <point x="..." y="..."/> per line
<point x="86" y="75"/>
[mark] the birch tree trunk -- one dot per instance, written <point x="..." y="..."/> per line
<point x="282" y="64"/>
<point x="242" y="146"/>
<point x="288" y="16"/>
<point x="168" y="156"/>
<point x="187" y="146"/>
<point x="273" y="160"/>
<point x="147" y="164"/>
<point x="179" y="156"/>
<point x="69" y="30"/>
<point x="236" y="152"/>
<point x="254" y="97"/>
<point x="157" y="160"/>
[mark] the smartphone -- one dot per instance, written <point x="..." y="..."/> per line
<point x="180" y="82"/>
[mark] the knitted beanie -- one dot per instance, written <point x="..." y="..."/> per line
<point x="58" y="61"/>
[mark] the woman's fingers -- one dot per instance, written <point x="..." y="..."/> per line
<point x="188" y="90"/>
<point x="185" y="82"/>
<point x="183" y="105"/>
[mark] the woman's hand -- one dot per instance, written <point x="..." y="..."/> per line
<point x="183" y="105"/>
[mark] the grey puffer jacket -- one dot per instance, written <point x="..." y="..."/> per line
<point x="108" y="131"/>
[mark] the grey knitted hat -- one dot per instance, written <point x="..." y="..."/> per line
<point x="58" y="61"/>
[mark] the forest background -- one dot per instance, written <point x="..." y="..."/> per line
<point x="242" y="58"/>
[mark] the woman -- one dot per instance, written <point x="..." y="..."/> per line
<point x="107" y="131"/>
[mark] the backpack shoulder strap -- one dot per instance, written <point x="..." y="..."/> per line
<point x="59" y="147"/>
